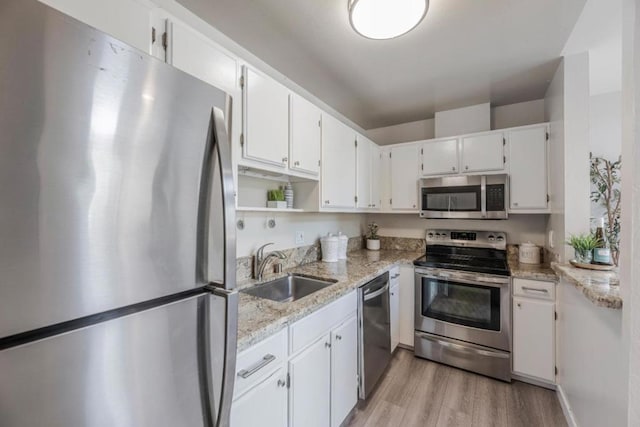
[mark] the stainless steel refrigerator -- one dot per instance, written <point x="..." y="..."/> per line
<point x="117" y="246"/>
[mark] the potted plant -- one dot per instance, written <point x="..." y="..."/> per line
<point x="275" y="199"/>
<point x="373" y="241"/>
<point x="583" y="245"/>
<point x="605" y="178"/>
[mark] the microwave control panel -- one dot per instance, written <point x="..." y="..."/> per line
<point x="495" y="197"/>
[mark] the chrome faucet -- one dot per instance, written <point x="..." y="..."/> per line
<point x="260" y="260"/>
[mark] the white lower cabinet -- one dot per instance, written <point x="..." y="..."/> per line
<point x="264" y="405"/>
<point x="406" y="309"/>
<point x="534" y="329"/>
<point x="311" y="382"/>
<point x="344" y="370"/>
<point x="310" y="392"/>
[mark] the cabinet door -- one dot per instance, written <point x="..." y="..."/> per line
<point x="309" y="398"/>
<point x="405" y="172"/>
<point x="363" y="172"/>
<point x="305" y="135"/>
<point x="534" y="338"/>
<point x="440" y="157"/>
<point x="376" y="157"/>
<point x="338" y="180"/>
<point x="197" y="55"/>
<point x="385" y="179"/>
<point x="126" y="20"/>
<point x="407" y="309"/>
<point x="483" y="153"/>
<point x="394" y="309"/>
<point x="265" y="119"/>
<point x="344" y="370"/>
<point x="528" y="168"/>
<point x="263" y="405"/>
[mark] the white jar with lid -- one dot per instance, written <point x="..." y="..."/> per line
<point x="528" y="253"/>
<point x="329" y="245"/>
<point x="343" y="244"/>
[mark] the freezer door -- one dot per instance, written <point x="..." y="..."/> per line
<point x="160" y="367"/>
<point x="106" y="158"/>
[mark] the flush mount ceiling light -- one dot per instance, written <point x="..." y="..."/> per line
<point x="386" y="19"/>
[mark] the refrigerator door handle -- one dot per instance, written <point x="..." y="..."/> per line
<point x="216" y="234"/>
<point x="220" y="366"/>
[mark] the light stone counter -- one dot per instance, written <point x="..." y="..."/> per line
<point x="260" y="318"/>
<point x="600" y="287"/>
<point x="532" y="271"/>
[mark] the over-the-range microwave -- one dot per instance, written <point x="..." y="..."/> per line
<point x="465" y="197"/>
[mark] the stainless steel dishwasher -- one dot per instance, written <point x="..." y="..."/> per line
<point x="374" y="335"/>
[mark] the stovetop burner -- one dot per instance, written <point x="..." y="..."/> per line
<point x="480" y="253"/>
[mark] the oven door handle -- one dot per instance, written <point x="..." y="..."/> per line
<point x="462" y="349"/>
<point x="494" y="283"/>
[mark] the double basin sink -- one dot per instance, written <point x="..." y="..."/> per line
<point x="288" y="288"/>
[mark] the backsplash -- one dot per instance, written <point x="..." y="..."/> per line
<point x="295" y="257"/>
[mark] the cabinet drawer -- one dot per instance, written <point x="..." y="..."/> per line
<point x="258" y="362"/>
<point x="534" y="289"/>
<point x="307" y="330"/>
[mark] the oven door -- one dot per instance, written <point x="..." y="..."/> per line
<point x="464" y="306"/>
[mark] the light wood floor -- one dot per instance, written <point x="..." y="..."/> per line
<point x="417" y="392"/>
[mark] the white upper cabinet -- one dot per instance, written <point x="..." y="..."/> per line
<point x="440" y="157"/>
<point x="338" y="180"/>
<point x="528" y="168"/>
<point x="305" y="135"/>
<point x="197" y="55"/>
<point x="385" y="179"/>
<point x="126" y="20"/>
<point x="363" y="170"/>
<point x="376" y="159"/>
<point x="265" y="119"/>
<point x="405" y="172"/>
<point x="481" y="153"/>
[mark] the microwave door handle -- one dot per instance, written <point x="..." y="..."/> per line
<point x="483" y="195"/>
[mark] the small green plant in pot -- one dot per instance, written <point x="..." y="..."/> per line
<point x="275" y="199"/>
<point x="583" y="245"/>
<point x="373" y="241"/>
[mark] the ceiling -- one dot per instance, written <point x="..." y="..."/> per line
<point x="465" y="52"/>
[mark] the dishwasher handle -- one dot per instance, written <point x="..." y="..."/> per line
<point x="371" y="295"/>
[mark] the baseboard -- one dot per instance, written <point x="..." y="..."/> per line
<point x="533" y="381"/>
<point x="566" y="408"/>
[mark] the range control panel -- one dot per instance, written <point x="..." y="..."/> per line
<point x="463" y="238"/>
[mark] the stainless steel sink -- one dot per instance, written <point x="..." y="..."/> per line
<point x="288" y="288"/>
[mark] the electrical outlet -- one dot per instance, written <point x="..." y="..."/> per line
<point x="299" y="238"/>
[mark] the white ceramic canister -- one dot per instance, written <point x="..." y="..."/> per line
<point x="329" y="245"/>
<point x="343" y="243"/>
<point x="528" y="253"/>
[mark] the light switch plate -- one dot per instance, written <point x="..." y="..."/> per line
<point x="299" y="238"/>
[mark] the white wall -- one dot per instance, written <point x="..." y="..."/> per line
<point x="504" y="116"/>
<point x="412" y="131"/>
<point x="630" y="239"/>
<point x="576" y="150"/>
<point x="313" y="225"/>
<point x="592" y="366"/>
<point x="520" y="114"/>
<point x="519" y="228"/>
<point x="554" y="114"/>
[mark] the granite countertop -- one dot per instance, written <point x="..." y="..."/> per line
<point x="260" y="318"/>
<point x="531" y="271"/>
<point x="600" y="287"/>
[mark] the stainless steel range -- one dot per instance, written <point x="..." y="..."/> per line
<point x="463" y="302"/>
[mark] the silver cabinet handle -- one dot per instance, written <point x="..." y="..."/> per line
<point x="326" y="202"/>
<point x="519" y="305"/>
<point x="515" y="203"/>
<point x="453" y="168"/>
<point x="282" y="383"/>
<point x="327" y="345"/>
<point x="395" y="276"/>
<point x="526" y="288"/>
<point x="284" y="159"/>
<point x="466" y="167"/>
<point x="246" y="373"/>
<point x="338" y="337"/>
